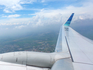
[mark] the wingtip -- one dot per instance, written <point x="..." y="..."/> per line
<point x="69" y="20"/>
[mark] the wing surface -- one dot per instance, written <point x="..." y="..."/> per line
<point x="79" y="47"/>
<point x="81" y="50"/>
<point x="61" y="45"/>
<point x="12" y="66"/>
<point x="63" y="64"/>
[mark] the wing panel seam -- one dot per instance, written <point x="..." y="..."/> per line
<point x="83" y="63"/>
<point x="69" y="50"/>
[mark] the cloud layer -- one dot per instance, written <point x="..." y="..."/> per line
<point x="42" y="18"/>
<point x="12" y="16"/>
<point x="48" y="16"/>
<point x="14" y="5"/>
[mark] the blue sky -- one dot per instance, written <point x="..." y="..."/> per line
<point x="18" y="14"/>
<point x="24" y="8"/>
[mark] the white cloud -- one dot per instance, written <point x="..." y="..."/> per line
<point x="43" y="1"/>
<point x="14" y="21"/>
<point x="12" y="16"/>
<point x="85" y="11"/>
<point x="35" y="21"/>
<point x="19" y="27"/>
<point x="56" y="0"/>
<point x="80" y="17"/>
<point x="48" y="17"/>
<point x="13" y="5"/>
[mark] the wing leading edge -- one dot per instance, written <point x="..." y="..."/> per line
<point x="61" y="45"/>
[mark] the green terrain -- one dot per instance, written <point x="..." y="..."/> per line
<point x="42" y="42"/>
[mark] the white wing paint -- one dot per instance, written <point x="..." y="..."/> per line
<point x="79" y="47"/>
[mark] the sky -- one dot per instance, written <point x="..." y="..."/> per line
<point x="28" y="15"/>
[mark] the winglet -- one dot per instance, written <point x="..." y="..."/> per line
<point x="69" y="20"/>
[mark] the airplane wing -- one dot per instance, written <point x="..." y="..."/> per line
<point x="81" y="50"/>
<point x="73" y="52"/>
<point x="79" y="47"/>
<point x="13" y="66"/>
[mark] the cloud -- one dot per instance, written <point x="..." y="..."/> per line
<point x="81" y="12"/>
<point x="12" y="16"/>
<point x="34" y="22"/>
<point x="19" y="27"/>
<point x="13" y="5"/>
<point x="55" y="16"/>
<point x="14" y="21"/>
<point x="80" y="17"/>
<point x="50" y="16"/>
<point x="55" y="0"/>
